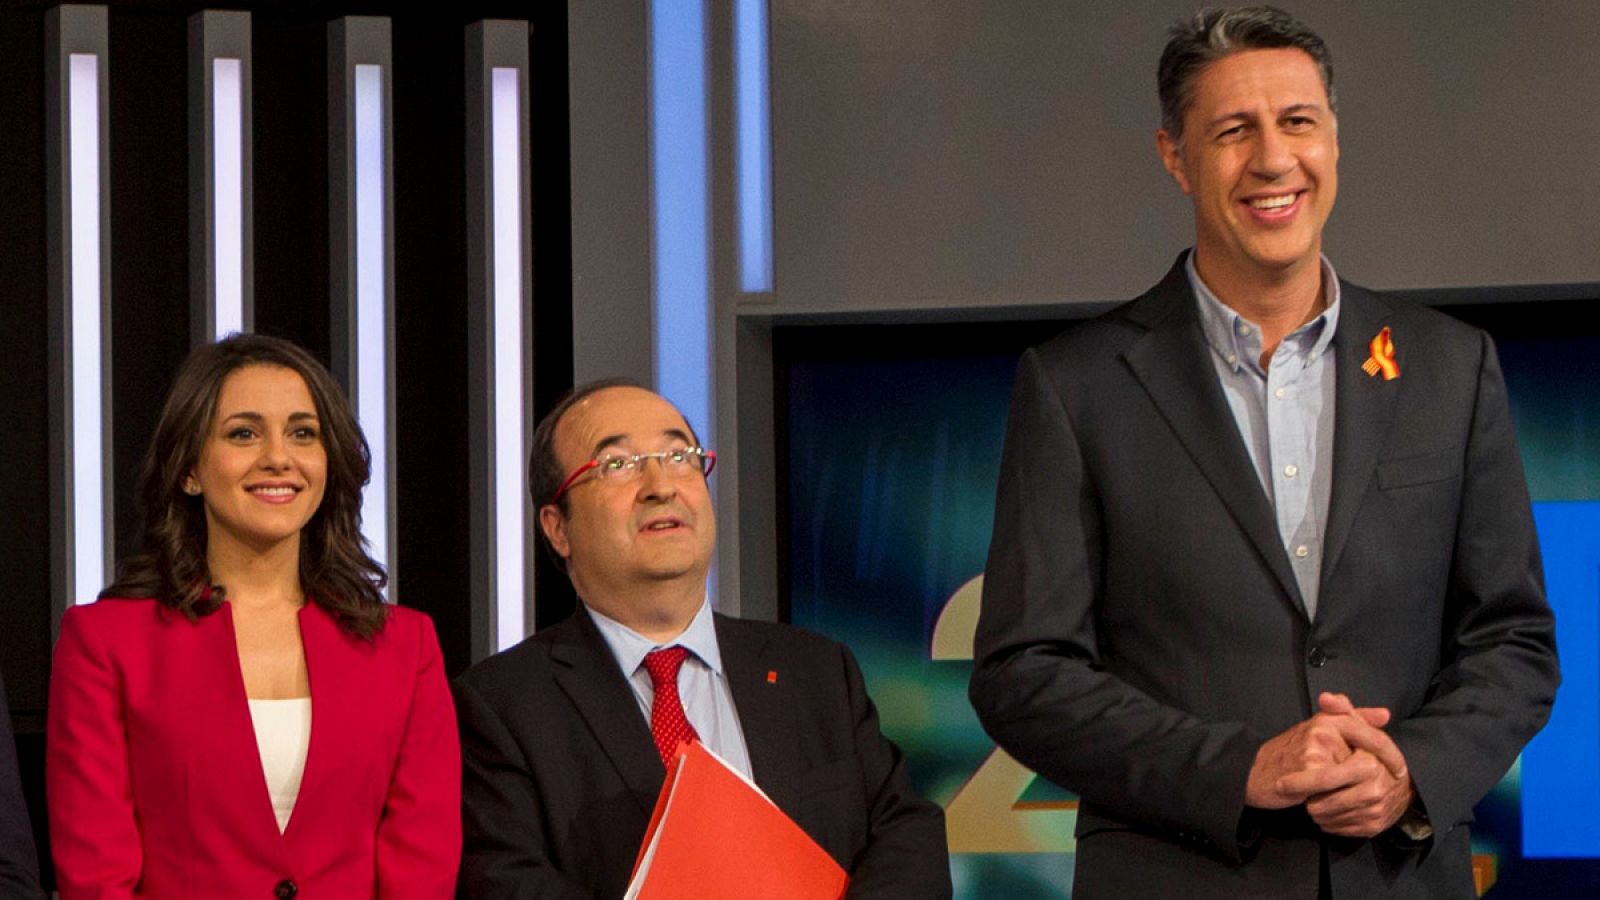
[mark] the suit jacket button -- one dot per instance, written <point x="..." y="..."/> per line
<point x="285" y="890"/>
<point x="1317" y="658"/>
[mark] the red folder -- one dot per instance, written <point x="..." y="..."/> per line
<point x="715" y="836"/>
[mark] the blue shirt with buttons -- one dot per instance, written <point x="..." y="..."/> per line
<point x="702" y="684"/>
<point x="1284" y="411"/>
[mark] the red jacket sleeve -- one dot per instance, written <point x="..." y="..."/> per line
<point x="419" y="836"/>
<point x="93" y="834"/>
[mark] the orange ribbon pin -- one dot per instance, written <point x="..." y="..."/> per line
<point x="1382" y="358"/>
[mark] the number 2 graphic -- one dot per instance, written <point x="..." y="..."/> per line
<point x="988" y="814"/>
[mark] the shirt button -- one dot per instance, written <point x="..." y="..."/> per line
<point x="1302" y="551"/>
<point x="1317" y="658"/>
<point x="1291" y="471"/>
<point x="1233" y="359"/>
<point x="1244" y="329"/>
<point x="285" y="890"/>
<point x="1279" y="393"/>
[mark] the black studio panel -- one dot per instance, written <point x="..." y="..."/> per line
<point x="554" y="597"/>
<point x="148" y="190"/>
<point x="24" y="335"/>
<point x="430" y="330"/>
<point x="289" y="56"/>
<point x="147" y="71"/>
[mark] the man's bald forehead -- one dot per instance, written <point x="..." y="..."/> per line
<point x="617" y="429"/>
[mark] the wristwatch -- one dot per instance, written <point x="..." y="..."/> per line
<point x="1414" y="823"/>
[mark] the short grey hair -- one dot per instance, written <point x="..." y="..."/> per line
<point x="1211" y="34"/>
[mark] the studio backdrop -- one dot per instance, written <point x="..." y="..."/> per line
<point x="889" y="444"/>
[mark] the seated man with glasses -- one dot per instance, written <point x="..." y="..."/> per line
<point x="565" y="736"/>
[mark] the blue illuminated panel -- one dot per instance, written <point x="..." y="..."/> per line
<point x="1561" y="767"/>
<point x="755" y="146"/>
<point x="681" y="208"/>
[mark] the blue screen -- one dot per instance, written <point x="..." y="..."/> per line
<point x="1561" y="766"/>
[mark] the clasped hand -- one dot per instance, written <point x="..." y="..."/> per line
<point x="1340" y="764"/>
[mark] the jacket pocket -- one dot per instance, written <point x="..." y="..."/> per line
<point x="1411" y="471"/>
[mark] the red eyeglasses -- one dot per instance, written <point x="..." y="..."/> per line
<point x="624" y="467"/>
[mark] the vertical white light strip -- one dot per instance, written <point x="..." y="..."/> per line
<point x="505" y="128"/>
<point x="361" y="258"/>
<point x="227" y="172"/>
<point x="77" y="225"/>
<point x="220" y="233"/>
<point x="754" y="138"/>
<point x="500" y="332"/>
<point x="371" y="314"/>
<point x="88" y="435"/>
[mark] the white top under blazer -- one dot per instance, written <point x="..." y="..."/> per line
<point x="283" y="735"/>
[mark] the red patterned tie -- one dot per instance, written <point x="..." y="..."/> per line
<point x="668" y="725"/>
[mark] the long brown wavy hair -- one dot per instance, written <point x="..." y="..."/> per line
<point x="335" y="570"/>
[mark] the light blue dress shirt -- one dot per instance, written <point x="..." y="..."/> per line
<point x="702" y="685"/>
<point x="1285" y="415"/>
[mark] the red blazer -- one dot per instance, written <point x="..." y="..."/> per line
<point x="155" y="782"/>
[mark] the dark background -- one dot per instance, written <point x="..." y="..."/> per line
<point x="149" y="277"/>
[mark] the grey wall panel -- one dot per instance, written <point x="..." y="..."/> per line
<point x="610" y="138"/>
<point x="1468" y="143"/>
<point x="936" y="155"/>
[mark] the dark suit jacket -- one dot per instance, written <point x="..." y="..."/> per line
<point x="155" y="780"/>
<point x="19" y="864"/>
<point x="560" y="774"/>
<point x="1142" y="632"/>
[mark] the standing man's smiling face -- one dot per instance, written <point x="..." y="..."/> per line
<point x="1259" y="159"/>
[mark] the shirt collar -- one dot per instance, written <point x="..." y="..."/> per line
<point x="1237" y="340"/>
<point x="629" y="647"/>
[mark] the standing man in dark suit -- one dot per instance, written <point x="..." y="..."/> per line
<point x="564" y="736"/>
<point x="1263" y="586"/>
<point x="19" y="864"/>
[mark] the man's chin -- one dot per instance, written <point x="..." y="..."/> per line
<point x="673" y="570"/>
<point x="1283" y="252"/>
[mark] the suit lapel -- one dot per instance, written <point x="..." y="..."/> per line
<point x="588" y="674"/>
<point x="766" y="716"/>
<point x="335" y="693"/>
<point x="1363" y="410"/>
<point x="1172" y="364"/>
<point x="239" y="744"/>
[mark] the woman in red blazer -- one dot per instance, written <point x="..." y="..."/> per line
<point x="241" y="715"/>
